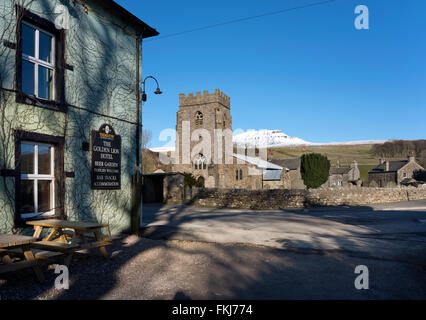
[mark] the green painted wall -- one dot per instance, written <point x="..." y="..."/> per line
<point x="104" y="81"/>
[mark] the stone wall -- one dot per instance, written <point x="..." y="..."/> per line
<point x="281" y="199"/>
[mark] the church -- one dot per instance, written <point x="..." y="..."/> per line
<point x="204" y="147"/>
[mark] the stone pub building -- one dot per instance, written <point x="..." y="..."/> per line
<point x="70" y="75"/>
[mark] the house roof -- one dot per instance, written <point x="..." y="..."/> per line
<point x="290" y="164"/>
<point x="261" y="164"/>
<point x="393" y="166"/>
<point x="141" y="27"/>
<point x="340" y="170"/>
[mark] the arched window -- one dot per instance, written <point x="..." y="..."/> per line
<point x="241" y="174"/>
<point x="200" y="162"/>
<point x="224" y="121"/>
<point x="236" y="174"/>
<point x="199" y="119"/>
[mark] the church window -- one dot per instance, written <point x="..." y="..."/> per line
<point x="200" y="162"/>
<point x="199" y="119"/>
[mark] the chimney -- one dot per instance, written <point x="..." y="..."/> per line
<point x="411" y="157"/>
<point x="354" y="164"/>
<point x="386" y="166"/>
<point x="382" y="160"/>
<point x="338" y="164"/>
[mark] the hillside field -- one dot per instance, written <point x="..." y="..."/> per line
<point x="345" y="154"/>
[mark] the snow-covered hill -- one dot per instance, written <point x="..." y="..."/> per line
<point x="267" y="139"/>
<point x="275" y="139"/>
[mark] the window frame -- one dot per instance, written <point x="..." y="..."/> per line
<point x="59" y="174"/>
<point x="38" y="62"/>
<point x="200" y="162"/>
<point x="58" y="103"/>
<point x="35" y="177"/>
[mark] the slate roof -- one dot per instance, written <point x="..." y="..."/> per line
<point x="141" y="27"/>
<point x="290" y="164"/>
<point x="393" y="166"/>
<point x="271" y="171"/>
<point x="272" y="175"/>
<point x="261" y="164"/>
<point x="339" y="170"/>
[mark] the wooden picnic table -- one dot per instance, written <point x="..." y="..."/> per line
<point x="10" y="242"/>
<point x="70" y="236"/>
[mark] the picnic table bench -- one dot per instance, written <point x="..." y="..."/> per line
<point x="67" y="237"/>
<point x="21" y="244"/>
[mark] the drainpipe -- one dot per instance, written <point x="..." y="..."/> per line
<point x="138" y="100"/>
<point x="137" y="220"/>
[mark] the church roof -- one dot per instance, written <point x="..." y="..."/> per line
<point x="261" y="164"/>
<point x="290" y="164"/>
<point x="271" y="171"/>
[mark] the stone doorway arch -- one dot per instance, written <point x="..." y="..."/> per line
<point x="201" y="181"/>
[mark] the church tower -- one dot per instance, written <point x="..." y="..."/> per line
<point x="200" y="114"/>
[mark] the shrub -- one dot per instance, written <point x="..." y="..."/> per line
<point x="420" y="175"/>
<point x="315" y="169"/>
<point x="190" y="181"/>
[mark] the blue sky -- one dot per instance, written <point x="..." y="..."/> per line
<point x="307" y="72"/>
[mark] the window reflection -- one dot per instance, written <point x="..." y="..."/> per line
<point x="44" y="193"/>
<point x="45" y="47"/>
<point x="44" y="160"/>
<point x="28" y="40"/>
<point x="27" y="196"/>
<point x="27" y="158"/>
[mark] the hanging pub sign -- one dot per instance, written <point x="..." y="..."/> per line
<point x="106" y="159"/>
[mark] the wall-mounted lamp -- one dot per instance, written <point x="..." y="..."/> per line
<point x="158" y="91"/>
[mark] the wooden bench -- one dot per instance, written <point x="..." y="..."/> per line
<point x="55" y="246"/>
<point x="72" y="236"/>
<point x="46" y="255"/>
<point x="108" y="239"/>
<point x="22" y="243"/>
<point x="38" y="254"/>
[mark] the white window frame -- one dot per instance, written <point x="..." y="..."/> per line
<point x="35" y="177"/>
<point x="37" y="62"/>
<point x="200" y="162"/>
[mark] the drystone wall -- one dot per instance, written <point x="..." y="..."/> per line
<point x="281" y="199"/>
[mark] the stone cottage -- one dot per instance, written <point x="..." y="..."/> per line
<point x="391" y="173"/>
<point x="344" y="177"/>
<point x="291" y="178"/>
<point x="70" y="74"/>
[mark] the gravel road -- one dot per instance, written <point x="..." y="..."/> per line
<point x="157" y="269"/>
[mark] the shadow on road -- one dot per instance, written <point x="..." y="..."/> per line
<point x="142" y="268"/>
